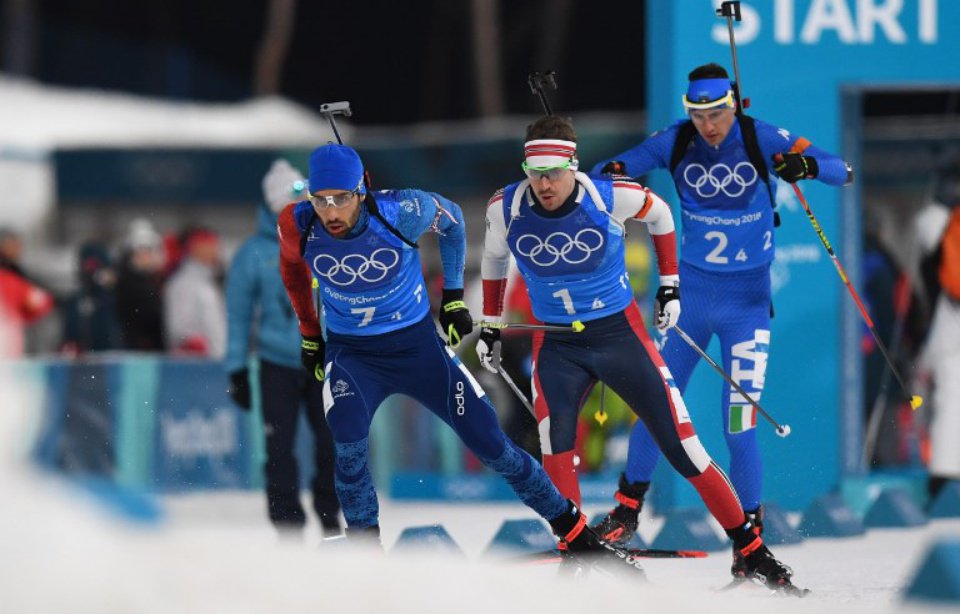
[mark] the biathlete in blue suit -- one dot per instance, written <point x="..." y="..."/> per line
<point x="361" y="248"/>
<point x="719" y="163"/>
<point x="565" y="230"/>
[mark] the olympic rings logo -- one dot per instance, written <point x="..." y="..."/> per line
<point x="560" y="246"/>
<point x="720" y="178"/>
<point x="356" y="266"/>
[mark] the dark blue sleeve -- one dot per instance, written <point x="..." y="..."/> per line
<point x="774" y="140"/>
<point x="432" y="212"/>
<point x="654" y="152"/>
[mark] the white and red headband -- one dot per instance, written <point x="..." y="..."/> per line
<point x="547" y="153"/>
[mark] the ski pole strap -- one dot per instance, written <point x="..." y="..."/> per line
<point x="453" y="337"/>
<point x="310" y="345"/>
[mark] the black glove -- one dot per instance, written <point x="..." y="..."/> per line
<point x="667" y="307"/>
<point x="455" y="320"/>
<point x="488" y="348"/>
<point x="614" y="167"/>
<point x="792" y="167"/>
<point x="240" y="388"/>
<point x="311" y="355"/>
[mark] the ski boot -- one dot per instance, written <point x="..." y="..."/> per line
<point x="620" y="524"/>
<point x="739" y="567"/>
<point x="759" y="564"/>
<point x="582" y="549"/>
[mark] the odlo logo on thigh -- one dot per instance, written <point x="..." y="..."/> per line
<point x="341" y="389"/>
<point x="461" y="400"/>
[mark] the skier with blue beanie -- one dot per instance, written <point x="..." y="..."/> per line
<point x="380" y="338"/>
<point x="259" y="319"/>
<point x="720" y="162"/>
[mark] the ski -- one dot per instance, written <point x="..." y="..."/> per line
<point x="545" y="557"/>
<point x="790" y="590"/>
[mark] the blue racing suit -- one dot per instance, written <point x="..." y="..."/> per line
<point x="381" y="340"/>
<point x="727" y="246"/>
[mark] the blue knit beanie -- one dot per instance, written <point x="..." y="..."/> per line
<point x="336" y="167"/>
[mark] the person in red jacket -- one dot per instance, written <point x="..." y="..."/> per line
<point x="21" y="304"/>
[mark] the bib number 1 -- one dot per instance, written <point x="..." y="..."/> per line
<point x="564" y="295"/>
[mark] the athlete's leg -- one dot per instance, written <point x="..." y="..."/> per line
<point x="680" y="358"/>
<point x="351" y="394"/>
<point x="560" y="387"/>
<point x="458" y="400"/>
<point x="635" y="371"/>
<point x="744" y="333"/>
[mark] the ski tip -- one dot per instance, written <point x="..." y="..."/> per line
<point x="577" y="326"/>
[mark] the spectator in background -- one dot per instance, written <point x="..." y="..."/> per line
<point x="11" y="251"/>
<point x="22" y="302"/>
<point x="260" y="313"/>
<point x="90" y="317"/>
<point x="140" y="288"/>
<point x="194" y="314"/>
<point x="938" y="230"/>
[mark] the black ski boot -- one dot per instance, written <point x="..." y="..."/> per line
<point x="760" y="564"/>
<point x="739" y="567"/>
<point x="582" y="548"/>
<point x="619" y="526"/>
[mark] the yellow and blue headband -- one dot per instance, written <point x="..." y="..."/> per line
<point x="708" y="93"/>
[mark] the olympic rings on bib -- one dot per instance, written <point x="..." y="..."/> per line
<point x="560" y="246"/>
<point x="709" y="183"/>
<point x="351" y="267"/>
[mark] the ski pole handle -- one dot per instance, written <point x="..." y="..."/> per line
<point x="576" y="327"/>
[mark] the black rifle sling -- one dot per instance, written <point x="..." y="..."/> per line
<point x="748" y="131"/>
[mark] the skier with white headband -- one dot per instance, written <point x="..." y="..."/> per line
<point x="566" y="232"/>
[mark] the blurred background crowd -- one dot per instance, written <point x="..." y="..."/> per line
<point x="126" y="245"/>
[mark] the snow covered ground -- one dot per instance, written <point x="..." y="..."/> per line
<point x="216" y="553"/>
<point x="62" y="550"/>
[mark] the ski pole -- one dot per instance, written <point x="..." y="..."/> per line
<point x="516" y="390"/>
<point x="538" y="82"/>
<point x="915" y="400"/>
<point x="782" y="429"/>
<point x="731" y="11"/>
<point x="576" y="327"/>
<point x="877" y="412"/>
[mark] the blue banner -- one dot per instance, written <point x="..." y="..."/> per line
<point x="201" y="439"/>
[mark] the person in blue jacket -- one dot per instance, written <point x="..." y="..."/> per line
<point x="260" y="320"/>
<point x="720" y="162"/>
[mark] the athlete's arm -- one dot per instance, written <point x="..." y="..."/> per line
<point x="496" y="259"/>
<point x="296" y="274"/>
<point x="654" y="152"/>
<point x="633" y="201"/>
<point x="422" y="212"/>
<point x="831" y="169"/>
